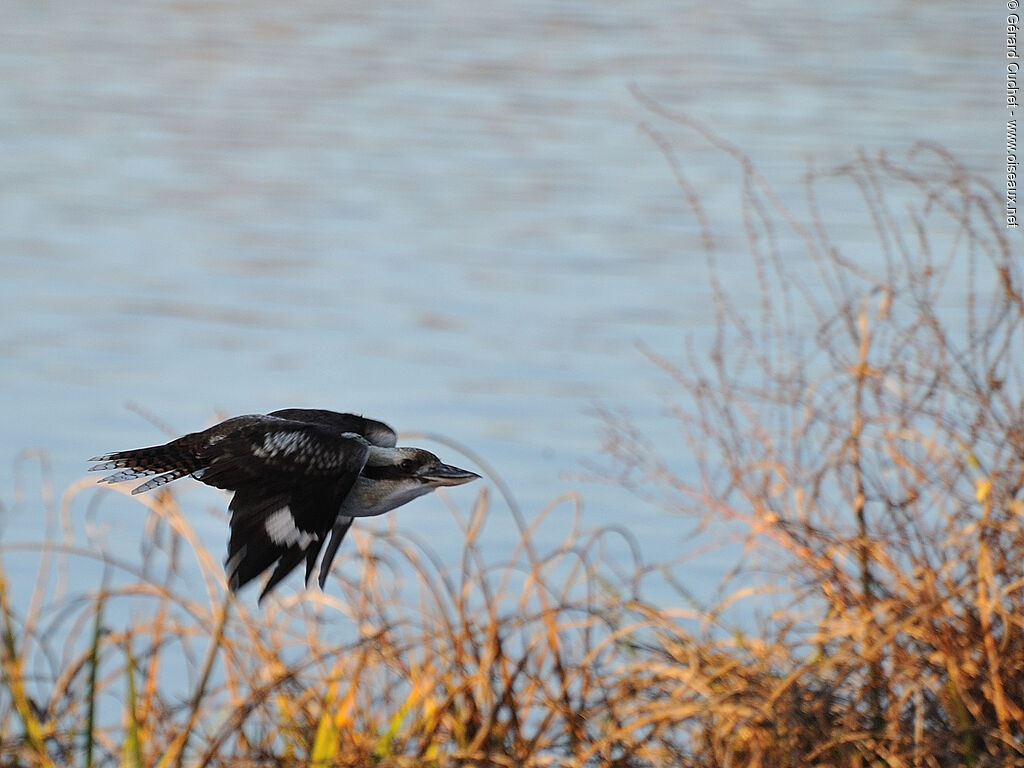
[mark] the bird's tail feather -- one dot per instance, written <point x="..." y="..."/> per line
<point x="168" y="462"/>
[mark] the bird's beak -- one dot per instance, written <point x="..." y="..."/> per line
<point x="445" y="474"/>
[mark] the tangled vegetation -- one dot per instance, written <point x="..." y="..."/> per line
<point x="872" y="466"/>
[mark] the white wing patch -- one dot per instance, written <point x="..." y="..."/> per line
<point x="275" y="443"/>
<point x="303" y="448"/>
<point x="280" y="527"/>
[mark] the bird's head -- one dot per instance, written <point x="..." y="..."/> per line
<point x="413" y="465"/>
<point x="395" y="476"/>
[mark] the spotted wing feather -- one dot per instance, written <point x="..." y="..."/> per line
<point x="374" y="432"/>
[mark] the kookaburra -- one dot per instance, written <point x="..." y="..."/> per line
<point x="297" y="475"/>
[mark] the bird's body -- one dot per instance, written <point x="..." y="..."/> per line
<point x="297" y="475"/>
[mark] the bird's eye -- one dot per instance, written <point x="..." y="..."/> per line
<point x="408" y="465"/>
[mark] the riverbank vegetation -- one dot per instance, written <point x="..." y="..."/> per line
<point x="858" y="428"/>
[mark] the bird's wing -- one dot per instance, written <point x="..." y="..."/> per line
<point x="375" y="432"/>
<point x="290" y="472"/>
<point x="290" y="480"/>
<point x="341" y="526"/>
<point x="278" y="450"/>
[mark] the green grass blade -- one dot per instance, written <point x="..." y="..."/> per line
<point x="131" y="751"/>
<point x="90" y="716"/>
<point x="325" y="743"/>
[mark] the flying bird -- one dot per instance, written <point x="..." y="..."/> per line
<point x="297" y="474"/>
